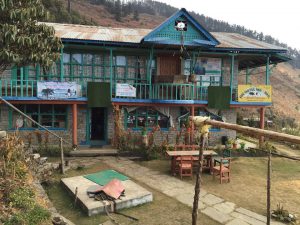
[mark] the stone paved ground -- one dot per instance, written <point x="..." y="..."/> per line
<point x="218" y="209"/>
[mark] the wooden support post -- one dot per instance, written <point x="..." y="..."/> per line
<point x="112" y="84"/>
<point x="74" y="116"/>
<point x="231" y="76"/>
<point x="269" y="189"/>
<point x="247" y="75"/>
<point x="268" y="70"/>
<point x="262" y="124"/>
<point x="198" y="182"/>
<point x="193" y="127"/>
<point x="62" y="71"/>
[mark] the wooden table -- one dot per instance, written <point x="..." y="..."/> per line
<point x="174" y="154"/>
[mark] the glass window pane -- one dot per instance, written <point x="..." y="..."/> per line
<point x="60" y="121"/>
<point x="46" y="120"/>
<point x="131" y="121"/>
<point x="66" y="57"/>
<point x="87" y="59"/>
<point x="121" y="60"/>
<point x="58" y="109"/>
<point x="76" y="58"/>
<point x="152" y="121"/>
<point x="46" y="108"/>
<point x="141" y="121"/>
<point x="32" y="109"/>
<point x="163" y="121"/>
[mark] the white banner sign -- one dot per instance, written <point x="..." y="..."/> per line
<point x="125" y="90"/>
<point x="58" y="90"/>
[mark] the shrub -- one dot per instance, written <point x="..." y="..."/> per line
<point x="36" y="216"/>
<point x="22" y="198"/>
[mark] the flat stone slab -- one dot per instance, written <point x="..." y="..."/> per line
<point x="134" y="195"/>
<point x="210" y="199"/>
<point x="237" y="222"/>
<point x="225" y="207"/>
<point x="217" y="215"/>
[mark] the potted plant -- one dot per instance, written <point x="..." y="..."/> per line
<point x="234" y="143"/>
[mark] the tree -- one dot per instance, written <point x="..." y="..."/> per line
<point x="136" y="15"/>
<point x="23" y="40"/>
<point x="118" y="10"/>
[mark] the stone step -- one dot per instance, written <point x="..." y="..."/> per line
<point x="94" y="152"/>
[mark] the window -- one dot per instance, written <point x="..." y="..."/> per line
<point x="50" y="116"/>
<point x="145" y="117"/>
<point x="130" y="69"/>
<point x="200" y="112"/>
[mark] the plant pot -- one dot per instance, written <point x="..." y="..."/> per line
<point x="234" y="146"/>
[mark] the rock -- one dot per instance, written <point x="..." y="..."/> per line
<point x="58" y="221"/>
<point x="43" y="160"/>
<point x="2" y="134"/>
<point x="35" y="156"/>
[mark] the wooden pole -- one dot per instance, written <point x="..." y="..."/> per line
<point x="255" y="131"/>
<point x="198" y="182"/>
<point x="62" y="156"/>
<point x="269" y="189"/>
<point x="262" y="124"/>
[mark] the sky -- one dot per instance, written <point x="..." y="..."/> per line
<point x="280" y="19"/>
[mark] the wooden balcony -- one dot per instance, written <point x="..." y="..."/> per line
<point x="173" y="93"/>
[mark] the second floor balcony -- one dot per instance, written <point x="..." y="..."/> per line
<point x="174" y="93"/>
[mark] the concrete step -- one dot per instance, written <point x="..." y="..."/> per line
<point x="88" y="152"/>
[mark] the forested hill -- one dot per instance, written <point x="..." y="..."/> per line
<point x="144" y="14"/>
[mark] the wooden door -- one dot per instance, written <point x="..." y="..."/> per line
<point x="169" y="65"/>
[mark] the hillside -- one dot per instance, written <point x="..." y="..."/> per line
<point x="285" y="82"/>
<point x="285" y="79"/>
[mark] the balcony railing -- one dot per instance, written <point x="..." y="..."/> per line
<point x="157" y="91"/>
<point x="168" y="91"/>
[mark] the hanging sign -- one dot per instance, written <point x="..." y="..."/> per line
<point x="125" y="90"/>
<point x="257" y="93"/>
<point x="58" y="90"/>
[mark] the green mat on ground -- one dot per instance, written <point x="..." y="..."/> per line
<point x="105" y="176"/>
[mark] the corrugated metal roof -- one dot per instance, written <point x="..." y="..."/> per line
<point x="97" y="33"/>
<point x="135" y="35"/>
<point x="234" y="40"/>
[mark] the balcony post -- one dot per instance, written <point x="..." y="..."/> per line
<point x="149" y="72"/>
<point x="74" y="128"/>
<point x="268" y="71"/>
<point x="247" y="75"/>
<point x="262" y="124"/>
<point x="111" y="70"/>
<point x="231" y="75"/>
<point x="21" y="80"/>
<point x="62" y="71"/>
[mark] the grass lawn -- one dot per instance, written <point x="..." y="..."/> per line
<point x="248" y="183"/>
<point x="162" y="211"/>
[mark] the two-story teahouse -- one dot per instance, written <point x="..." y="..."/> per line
<point x="157" y="76"/>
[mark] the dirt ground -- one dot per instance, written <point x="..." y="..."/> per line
<point x="248" y="184"/>
<point x="162" y="211"/>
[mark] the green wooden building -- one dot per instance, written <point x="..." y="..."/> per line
<point x="156" y="76"/>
